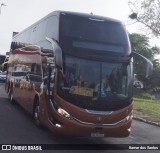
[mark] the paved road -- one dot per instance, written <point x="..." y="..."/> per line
<point x="16" y="127"/>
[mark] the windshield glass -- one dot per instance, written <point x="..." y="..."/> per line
<point x="91" y="83"/>
<point x="93" y="34"/>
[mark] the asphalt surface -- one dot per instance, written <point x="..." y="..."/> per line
<point x="17" y="127"/>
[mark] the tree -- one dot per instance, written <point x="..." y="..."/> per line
<point x="155" y="81"/>
<point x="140" y="44"/>
<point x="147" y="12"/>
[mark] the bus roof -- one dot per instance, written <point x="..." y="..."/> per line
<point x="91" y="15"/>
<point x="84" y="15"/>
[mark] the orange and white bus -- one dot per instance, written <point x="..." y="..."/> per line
<point x="77" y="74"/>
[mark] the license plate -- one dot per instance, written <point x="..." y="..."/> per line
<point x="97" y="135"/>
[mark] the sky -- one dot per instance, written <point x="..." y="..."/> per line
<point x="19" y="14"/>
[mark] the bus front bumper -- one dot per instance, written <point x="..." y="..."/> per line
<point x="68" y="125"/>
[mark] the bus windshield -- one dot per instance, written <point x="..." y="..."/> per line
<point x="93" y="34"/>
<point x="91" y="83"/>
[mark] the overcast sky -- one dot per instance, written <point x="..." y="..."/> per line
<point x="19" y="14"/>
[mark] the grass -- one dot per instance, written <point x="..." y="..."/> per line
<point x="147" y="109"/>
<point x="146" y="106"/>
<point x="139" y="93"/>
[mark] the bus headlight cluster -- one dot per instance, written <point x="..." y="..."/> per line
<point x="128" y="117"/>
<point x="64" y="113"/>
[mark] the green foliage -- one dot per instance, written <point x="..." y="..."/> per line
<point x="140" y="44"/>
<point x="155" y="80"/>
<point x="147" y="109"/>
<point x="139" y="93"/>
<point x="155" y="50"/>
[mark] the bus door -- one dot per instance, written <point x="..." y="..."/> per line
<point x="50" y="81"/>
<point x="49" y="84"/>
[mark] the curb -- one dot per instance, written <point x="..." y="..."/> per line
<point x="146" y="121"/>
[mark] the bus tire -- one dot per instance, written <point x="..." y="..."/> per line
<point x="36" y="113"/>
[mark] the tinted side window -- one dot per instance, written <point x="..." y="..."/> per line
<point x="33" y="35"/>
<point x="52" y="27"/>
<point x="41" y="31"/>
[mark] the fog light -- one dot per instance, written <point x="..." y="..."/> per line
<point x="58" y="125"/>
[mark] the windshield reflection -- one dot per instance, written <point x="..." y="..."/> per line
<point x="95" y="80"/>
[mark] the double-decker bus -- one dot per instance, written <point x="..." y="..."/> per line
<point x="85" y="85"/>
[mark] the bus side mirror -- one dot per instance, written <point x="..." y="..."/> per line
<point x="57" y="52"/>
<point x="147" y="62"/>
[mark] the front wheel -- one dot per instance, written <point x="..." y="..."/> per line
<point x="36" y="114"/>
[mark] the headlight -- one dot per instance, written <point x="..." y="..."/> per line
<point x="128" y="117"/>
<point x="64" y="113"/>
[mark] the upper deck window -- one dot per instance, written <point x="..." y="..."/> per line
<point x="91" y="33"/>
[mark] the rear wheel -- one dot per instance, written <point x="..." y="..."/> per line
<point x="36" y="114"/>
